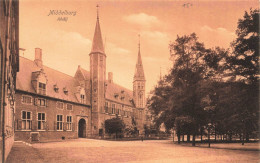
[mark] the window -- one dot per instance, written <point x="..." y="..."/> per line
<point x="26" y="99"/>
<point x="113" y="109"/>
<point x="59" y="122"/>
<point x="69" y="123"/>
<point x="60" y="105"/>
<point x="41" y="102"/>
<point x="82" y="98"/>
<point x="56" y="88"/>
<point x="65" y="90"/>
<point x="41" y="121"/>
<point x="69" y="107"/>
<point x="42" y="88"/>
<point x="26" y="120"/>
<point x="106" y="107"/>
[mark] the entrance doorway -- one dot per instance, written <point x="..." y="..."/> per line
<point x="82" y="128"/>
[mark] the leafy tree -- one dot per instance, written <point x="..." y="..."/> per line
<point x="244" y="66"/>
<point x="114" y="125"/>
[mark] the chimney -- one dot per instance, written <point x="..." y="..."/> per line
<point x="38" y="57"/>
<point x="110" y="77"/>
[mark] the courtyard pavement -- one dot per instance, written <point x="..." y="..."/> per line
<point x="91" y="150"/>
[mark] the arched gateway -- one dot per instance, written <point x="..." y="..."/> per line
<point x="82" y="128"/>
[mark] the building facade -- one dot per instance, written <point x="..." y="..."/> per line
<point x="53" y="105"/>
<point x="9" y="51"/>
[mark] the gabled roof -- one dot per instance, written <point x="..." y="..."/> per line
<point x="113" y="89"/>
<point x="97" y="44"/>
<point x="84" y="74"/>
<point x="62" y="80"/>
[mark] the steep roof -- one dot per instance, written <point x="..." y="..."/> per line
<point x="54" y="77"/>
<point x="86" y="74"/>
<point x="139" y="70"/>
<point x="97" y="44"/>
<point x="113" y="89"/>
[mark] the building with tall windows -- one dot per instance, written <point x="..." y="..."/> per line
<point x="54" y="105"/>
<point x="9" y="66"/>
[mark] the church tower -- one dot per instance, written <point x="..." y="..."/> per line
<point x="139" y="82"/>
<point x="97" y="77"/>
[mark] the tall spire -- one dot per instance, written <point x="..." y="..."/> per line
<point x="97" y="44"/>
<point x="139" y="70"/>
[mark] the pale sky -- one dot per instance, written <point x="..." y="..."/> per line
<point x="65" y="45"/>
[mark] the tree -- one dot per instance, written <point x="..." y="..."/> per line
<point x="244" y="61"/>
<point x="114" y="125"/>
<point x="244" y="66"/>
<point x="178" y="98"/>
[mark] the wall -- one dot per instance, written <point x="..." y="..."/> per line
<point x="9" y="60"/>
<point x="51" y="111"/>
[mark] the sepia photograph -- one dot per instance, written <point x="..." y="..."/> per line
<point x="138" y="81"/>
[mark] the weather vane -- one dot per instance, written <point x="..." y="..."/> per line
<point x="97" y="11"/>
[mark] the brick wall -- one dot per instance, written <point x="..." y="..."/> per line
<point x="48" y="130"/>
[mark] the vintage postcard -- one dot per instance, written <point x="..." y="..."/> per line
<point x="129" y="81"/>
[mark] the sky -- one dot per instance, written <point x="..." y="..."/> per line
<point x="67" y="44"/>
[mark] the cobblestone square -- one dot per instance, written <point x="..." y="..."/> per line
<point x="90" y="150"/>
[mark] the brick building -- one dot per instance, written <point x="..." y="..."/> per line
<point x="9" y="65"/>
<point x="52" y="105"/>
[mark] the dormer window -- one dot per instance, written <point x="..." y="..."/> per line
<point x="65" y="90"/>
<point x="42" y="88"/>
<point x="116" y="95"/>
<point x="122" y="91"/>
<point x="122" y="98"/>
<point x="56" y="88"/>
<point x="82" y="98"/>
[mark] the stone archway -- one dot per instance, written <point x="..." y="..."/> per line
<point x="82" y="128"/>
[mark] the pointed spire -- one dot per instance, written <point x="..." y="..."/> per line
<point x="139" y="70"/>
<point x="97" y="44"/>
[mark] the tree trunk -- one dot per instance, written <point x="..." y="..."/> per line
<point x="209" y="137"/>
<point x="188" y="138"/>
<point x="183" y="138"/>
<point x="193" y="140"/>
<point x="247" y="137"/>
<point x="243" y="139"/>
<point x="201" y="134"/>
<point x="215" y="135"/>
<point x="179" y="138"/>
<point x="230" y="137"/>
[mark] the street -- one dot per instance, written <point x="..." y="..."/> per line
<point x="90" y="150"/>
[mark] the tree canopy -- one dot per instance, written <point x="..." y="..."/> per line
<point x="211" y="86"/>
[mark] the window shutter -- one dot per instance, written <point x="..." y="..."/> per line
<point x="109" y="110"/>
<point x="46" y="103"/>
<point x="35" y="101"/>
